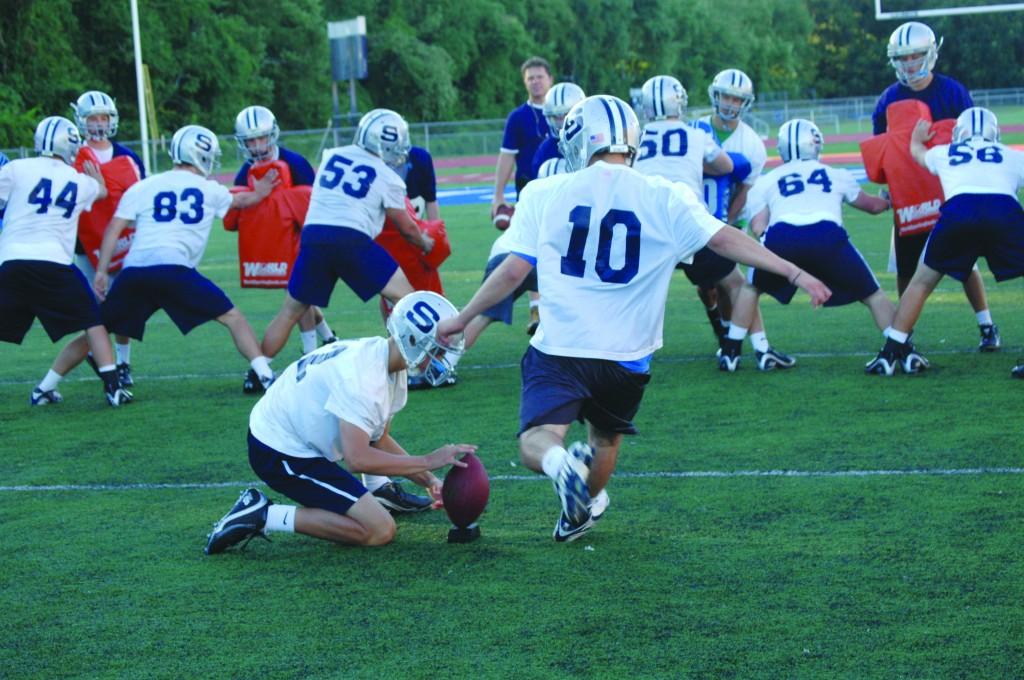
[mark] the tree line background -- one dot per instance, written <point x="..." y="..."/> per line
<point x="437" y="60"/>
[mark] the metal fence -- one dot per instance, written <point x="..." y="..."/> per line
<point x="483" y="137"/>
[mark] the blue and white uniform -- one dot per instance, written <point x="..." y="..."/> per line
<point x="173" y="213"/>
<point x="351" y="193"/>
<point x="718" y="191"/>
<point x="804" y="199"/>
<point x="981" y="215"/>
<point x="603" y="285"/>
<point x="44" y="197"/>
<point x="294" y="440"/>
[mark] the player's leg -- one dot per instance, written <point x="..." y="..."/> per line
<point x="307" y="330"/>
<point x="881" y="308"/>
<point x="744" y="312"/>
<point x="397" y="287"/>
<point x="365" y="523"/>
<point x="276" y="335"/>
<point x="606" y="454"/>
<point x="898" y="350"/>
<point x="974" y="289"/>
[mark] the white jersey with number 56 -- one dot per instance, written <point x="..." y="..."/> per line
<point x="976" y="167"/>
<point x="352" y="189"/>
<point x="606" y="240"/>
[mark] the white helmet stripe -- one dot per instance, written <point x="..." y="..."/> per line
<point x="794" y="147"/>
<point x="622" y="119"/>
<point x="659" y="101"/>
<point x="611" y="119"/>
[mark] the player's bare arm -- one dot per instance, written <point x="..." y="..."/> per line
<point x="363" y="456"/>
<point x="92" y="170"/>
<point x="759" y="223"/>
<point x="502" y="174"/>
<point x="721" y="165"/>
<point x="261" y="188"/>
<point x="921" y="135"/>
<point x="409" y="230"/>
<point x="505" y="279"/>
<point x="113" y="231"/>
<point x="737" y="246"/>
<point x="739" y="201"/>
<point x="873" y="205"/>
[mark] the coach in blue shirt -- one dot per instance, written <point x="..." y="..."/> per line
<point x="525" y="129"/>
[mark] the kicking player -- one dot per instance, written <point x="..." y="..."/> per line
<point x="334" y="406"/>
<point x="603" y="285"/>
<point x="44" y="197"/>
<point x="981" y="217"/>
<point x="798" y="214"/>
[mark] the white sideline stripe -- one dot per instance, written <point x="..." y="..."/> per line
<point x="695" y="474"/>
<point x="867" y="355"/>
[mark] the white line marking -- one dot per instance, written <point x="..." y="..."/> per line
<point x="695" y="474"/>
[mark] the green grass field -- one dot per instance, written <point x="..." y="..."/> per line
<point x="891" y="549"/>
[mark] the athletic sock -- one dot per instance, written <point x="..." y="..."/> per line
<point x="736" y="332"/>
<point x="324" y="330"/>
<point x="261" y="365"/>
<point x="984" y="317"/>
<point x="896" y="336"/>
<point x="109" y="376"/>
<point x="552" y="461"/>
<point x="759" y="341"/>
<point x="123" y="353"/>
<point x="281" y="518"/>
<point x="374" y="482"/>
<point x="51" y="381"/>
<point x="308" y="341"/>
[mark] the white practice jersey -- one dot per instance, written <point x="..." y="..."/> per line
<point x="44" y="198"/>
<point x="500" y="245"/>
<point x="675" y="150"/>
<point x="352" y="189"/>
<point x="346" y="380"/>
<point x="606" y="240"/>
<point x="803" y="192"/>
<point x="173" y="213"/>
<point x="976" y="167"/>
<point x="747" y="142"/>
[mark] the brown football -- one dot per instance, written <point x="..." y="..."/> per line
<point x="503" y="216"/>
<point x="465" y="491"/>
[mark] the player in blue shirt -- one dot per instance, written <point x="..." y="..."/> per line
<point x="421" y="183"/>
<point x="525" y="129"/>
<point x="557" y="103"/>
<point x="912" y="52"/>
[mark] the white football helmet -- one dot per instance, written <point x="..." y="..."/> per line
<point x="196" y="146"/>
<point x="598" y="124"/>
<point x="58" y="137"/>
<point x="915" y="38"/>
<point x="663" y="97"/>
<point x="734" y="83"/>
<point x="384" y="133"/>
<point x="552" y="166"/>
<point x="800" y="140"/>
<point x="413" y="325"/>
<point x="557" y="103"/>
<point x="96" y="103"/>
<point x="255" y="122"/>
<point x="976" y="123"/>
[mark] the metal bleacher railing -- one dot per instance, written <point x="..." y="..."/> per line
<point x="483" y="137"/>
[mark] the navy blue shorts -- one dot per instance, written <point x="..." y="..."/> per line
<point x="188" y="297"/>
<point x="310" y="482"/>
<point x="57" y="294"/>
<point x="503" y="310"/>
<point x="973" y="225"/>
<point x="708" y="268"/>
<point x="327" y="254"/>
<point x="824" y="250"/>
<point x="558" y="390"/>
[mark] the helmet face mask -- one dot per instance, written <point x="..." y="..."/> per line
<point x="256" y="132"/>
<point x="731" y="93"/>
<point x="385" y="134"/>
<point x="663" y="97"/>
<point x="557" y="103"/>
<point x="413" y="326"/>
<point x="800" y="139"/>
<point x="58" y="137"/>
<point x="976" y="123"/>
<point x="598" y="124"/>
<point x="196" y="146"/>
<point x="912" y="52"/>
<point x="96" y="115"/>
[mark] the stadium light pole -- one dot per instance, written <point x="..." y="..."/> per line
<point x="137" y="40"/>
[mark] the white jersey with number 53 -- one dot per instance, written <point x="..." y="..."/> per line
<point x="352" y="189"/>
<point x="606" y="240"/>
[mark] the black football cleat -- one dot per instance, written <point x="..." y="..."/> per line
<point x="397" y="500"/>
<point x="124" y="374"/>
<point x="245" y="520"/>
<point x="772" y="359"/>
<point x="40" y="398"/>
<point x="990" y="340"/>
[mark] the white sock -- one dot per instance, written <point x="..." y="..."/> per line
<point x="736" y="332"/>
<point x="759" y="341"/>
<point x="374" y="482"/>
<point x="534" y="304"/>
<point x="108" y="367"/>
<point x="324" y="330"/>
<point x="124" y="352"/>
<point x="281" y="518"/>
<point x="261" y="365"/>
<point x="984" y="317"/>
<point x="552" y="461"/>
<point x="898" y="336"/>
<point x="50" y="381"/>
<point x="308" y="341"/>
<point x="453" y="359"/>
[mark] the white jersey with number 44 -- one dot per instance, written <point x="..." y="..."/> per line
<point x="353" y="188"/>
<point x="606" y="240"/>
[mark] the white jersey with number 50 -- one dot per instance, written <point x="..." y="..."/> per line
<point x="606" y="240"/>
<point x="173" y="213"/>
<point x="804" y="192"/>
<point x="976" y="167"/>
<point x="676" y="151"/>
<point x="352" y="189"/>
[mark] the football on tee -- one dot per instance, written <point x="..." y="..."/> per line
<point x="503" y="216"/>
<point x="465" y="491"/>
